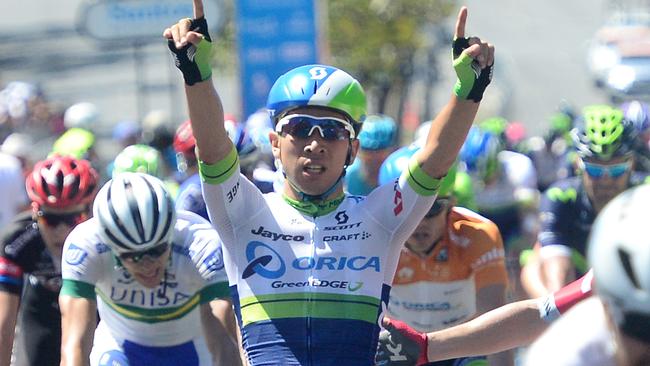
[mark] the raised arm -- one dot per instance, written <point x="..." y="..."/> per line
<point x="78" y="321"/>
<point x="473" y="61"/>
<point x="191" y="46"/>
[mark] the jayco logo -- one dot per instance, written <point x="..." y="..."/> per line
<point x="261" y="231"/>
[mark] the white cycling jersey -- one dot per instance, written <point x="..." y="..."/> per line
<point x="517" y="180"/>
<point x="310" y="281"/>
<point x="136" y="316"/>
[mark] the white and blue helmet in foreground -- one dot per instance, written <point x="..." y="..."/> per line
<point x="135" y="212"/>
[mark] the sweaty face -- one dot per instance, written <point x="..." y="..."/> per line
<point x="312" y="163"/>
<point x="604" y="180"/>
<point x="149" y="271"/>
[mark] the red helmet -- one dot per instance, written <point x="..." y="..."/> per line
<point x="184" y="141"/>
<point x="62" y="181"/>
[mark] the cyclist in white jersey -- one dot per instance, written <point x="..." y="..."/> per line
<point x="310" y="269"/>
<point x="154" y="275"/>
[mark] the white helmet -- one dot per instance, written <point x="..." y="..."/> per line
<point x="135" y="212"/>
<point x="620" y="257"/>
<point x="18" y="144"/>
<point x="82" y="115"/>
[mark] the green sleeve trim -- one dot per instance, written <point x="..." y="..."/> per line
<point x="218" y="290"/>
<point x="76" y="288"/>
<point x="221" y="171"/>
<point x="421" y="182"/>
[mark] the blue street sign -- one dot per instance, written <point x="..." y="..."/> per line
<point x="273" y="37"/>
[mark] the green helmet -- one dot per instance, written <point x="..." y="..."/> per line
<point x="495" y="125"/>
<point x="74" y="142"/>
<point x="138" y="159"/>
<point x="603" y="133"/>
<point x="464" y="191"/>
<point x="447" y="183"/>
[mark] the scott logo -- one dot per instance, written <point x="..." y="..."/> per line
<point x="341" y="217"/>
<point x="276" y="236"/>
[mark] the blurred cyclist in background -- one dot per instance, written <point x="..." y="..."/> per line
<point x="505" y="187"/>
<point x="60" y="190"/>
<point x="127" y="133"/>
<point x="12" y="188"/>
<point x="190" y="195"/>
<point x="451" y="268"/>
<point x="612" y="328"/>
<point x="638" y="113"/>
<point x="377" y="140"/>
<point x="550" y="154"/>
<point x="146" y="159"/>
<point x="604" y="142"/>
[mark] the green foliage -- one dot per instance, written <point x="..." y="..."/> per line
<point x="224" y="51"/>
<point x="375" y="40"/>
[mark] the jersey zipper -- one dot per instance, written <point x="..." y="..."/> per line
<point x="312" y="254"/>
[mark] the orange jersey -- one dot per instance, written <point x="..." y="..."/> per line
<point x="440" y="290"/>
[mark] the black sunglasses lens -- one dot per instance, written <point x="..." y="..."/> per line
<point x="302" y="127"/>
<point x="153" y="253"/>
<point x="69" y="219"/>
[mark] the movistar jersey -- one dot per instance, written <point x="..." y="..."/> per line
<point x="163" y="316"/>
<point x="310" y="282"/>
<point x="566" y="216"/>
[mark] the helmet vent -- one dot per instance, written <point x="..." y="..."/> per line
<point x="627" y="265"/>
<point x="116" y="219"/>
<point x="315" y="86"/>
<point x="135" y="210"/>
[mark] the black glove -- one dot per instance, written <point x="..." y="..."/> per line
<point x="194" y="61"/>
<point x="472" y="80"/>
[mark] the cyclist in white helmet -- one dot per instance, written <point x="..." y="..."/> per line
<point x="310" y="268"/>
<point x="612" y="328"/>
<point x="155" y="276"/>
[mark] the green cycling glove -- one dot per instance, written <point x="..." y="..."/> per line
<point x="472" y="81"/>
<point x="194" y="61"/>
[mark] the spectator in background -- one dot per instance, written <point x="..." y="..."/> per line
<point x="377" y="140"/>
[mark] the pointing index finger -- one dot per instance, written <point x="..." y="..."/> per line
<point x="198" y="9"/>
<point x="460" y="23"/>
